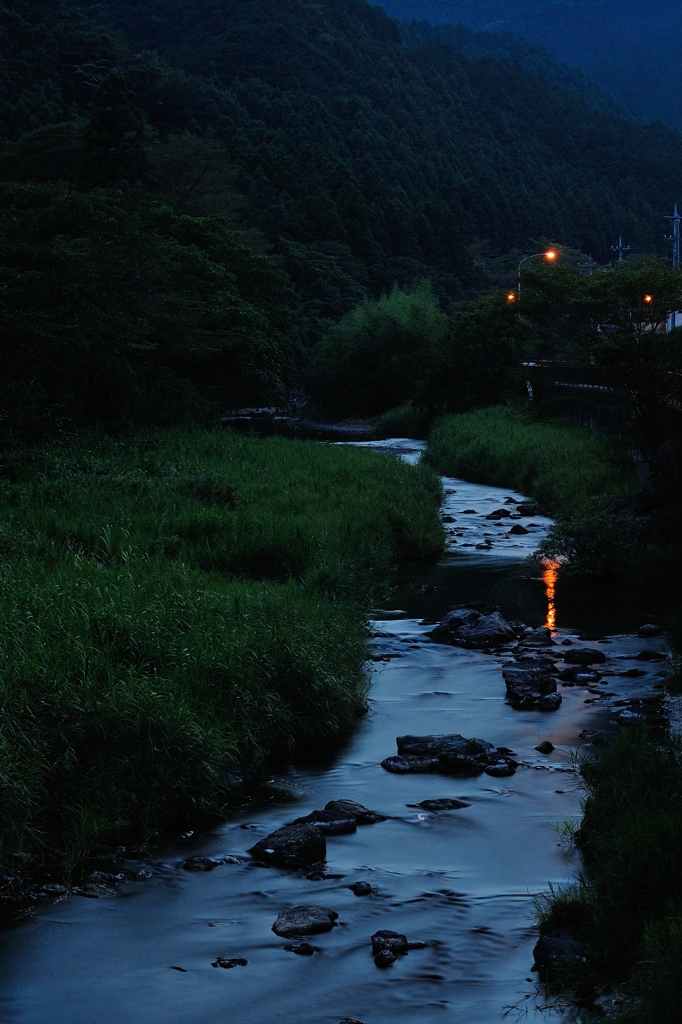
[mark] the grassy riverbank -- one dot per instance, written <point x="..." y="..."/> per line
<point x="606" y="525"/>
<point x="627" y="905"/>
<point x="181" y="606"/>
<point x="558" y="464"/>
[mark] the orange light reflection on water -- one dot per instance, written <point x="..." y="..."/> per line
<point x="549" y="578"/>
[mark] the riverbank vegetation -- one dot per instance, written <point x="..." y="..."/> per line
<point x="560" y="465"/>
<point x="626" y="907"/>
<point x="178" y="609"/>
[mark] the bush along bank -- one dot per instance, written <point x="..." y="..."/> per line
<point x="614" y="938"/>
<point x="177" y="611"/>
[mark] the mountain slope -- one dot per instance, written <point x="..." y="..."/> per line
<point x="407" y="152"/>
<point x="630" y="48"/>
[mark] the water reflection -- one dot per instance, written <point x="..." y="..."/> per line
<point x="549" y="578"/>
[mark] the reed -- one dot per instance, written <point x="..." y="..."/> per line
<point x="177" y="610"/>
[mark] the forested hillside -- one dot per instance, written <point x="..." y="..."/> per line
<point x="193" y="193"/>
<point x="630" y="48"/>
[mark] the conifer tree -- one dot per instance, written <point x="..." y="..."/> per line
<point x="115" y="136"/>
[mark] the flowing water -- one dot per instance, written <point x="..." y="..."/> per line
<point x="462" y="880"/>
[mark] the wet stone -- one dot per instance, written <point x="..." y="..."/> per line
<point x="584" y="656"/>
<point x="651" y="656"/>
<point x="330" y="823"/>
<point x="518" y="529"/>
<point x="467" y="627"/>
<point x="650" y="630"/>
<point x="363" y="815"/>
<point x="361" y="888"/>
<point x="394" y="942"/>
<point x="304" y="920"/>
<point x="550" y="950"/>
<point x="451" y="754"/>
<point x="530" y="684"/>
<point x="54" y="889"/>
<point x="579" y="674"/>
<point x="444" y="804"/>
<point x="293" y="846"/>
<point x="200" y="864"/>
<point x="302" y="949"/>
<point x="227" y="962"/>
<point x="545" y="747"/>
<point x="384" y="958"/>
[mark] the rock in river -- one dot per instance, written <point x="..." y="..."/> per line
<point x="466" y="627"/>
<point x="304" y="920"/>
<point x="444" y="804"/>
<point x="330" y="823"/>
<point x="562" y="944"/>
<point x="200" y="864"/>
<point x="451" y="754"/>
<point x="362" y="815"/>
<point x="293" y="846"/>
<point x="530" y="684"/>
<point x="361" y="889"/>
<point x="584" y="656"/>
<point x="546" y="747"/>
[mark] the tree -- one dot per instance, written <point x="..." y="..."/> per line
<point x="115" y="136"/>
<point x="616" y="320"/>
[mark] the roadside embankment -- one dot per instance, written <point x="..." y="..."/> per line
<point x="178" y="609"/>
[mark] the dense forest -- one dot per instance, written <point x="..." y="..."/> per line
<point x="193" y="193"/>
<point x="629" y="48"/>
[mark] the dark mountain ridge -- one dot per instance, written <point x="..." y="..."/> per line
<point x="631" y="48"/>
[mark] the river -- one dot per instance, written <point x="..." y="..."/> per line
<point x="462" y="881"/>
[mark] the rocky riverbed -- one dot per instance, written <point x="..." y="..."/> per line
<point x="389" y="895"/>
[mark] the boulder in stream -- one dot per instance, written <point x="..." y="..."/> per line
<point x="530" y="684"/>
<point x="200" y="864"/>
<point x="444" y="804"/>
<point x="561" y="945"/>
<point x="584" y="656"/>
<point x="329" y="822"/>
<point x="293" y="846"/>
<point x="451" y="754"/>
<point x="467" y="627"/>
<point x="363" y="815"/>
<point x="649" y="629"/>
<point x="304" y="920"/>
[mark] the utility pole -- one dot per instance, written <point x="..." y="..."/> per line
<point x="675" y="237"/>
<point x="620" y="248"/>
<point x="590" y="265"/>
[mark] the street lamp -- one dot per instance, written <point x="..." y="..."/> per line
<point x="549" y="254"/>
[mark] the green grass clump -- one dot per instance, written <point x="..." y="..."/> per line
<point x="627" y="905"/>
<point x="178" y="606"/>
<point x="560" y="465"/>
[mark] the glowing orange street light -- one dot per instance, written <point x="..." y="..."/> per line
<point x="549" y="255"/>
<point x="648" y="298"/>
<point x="511" y="297"/>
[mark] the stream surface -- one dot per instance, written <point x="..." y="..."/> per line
<point x="462" y="881"/>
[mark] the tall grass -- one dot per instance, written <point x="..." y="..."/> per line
<point x="628" y="903"/>
<point x="181" y="605"/>
<point x="560" y="465"/>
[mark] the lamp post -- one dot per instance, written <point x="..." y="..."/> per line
<point x="549" y="255"/>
